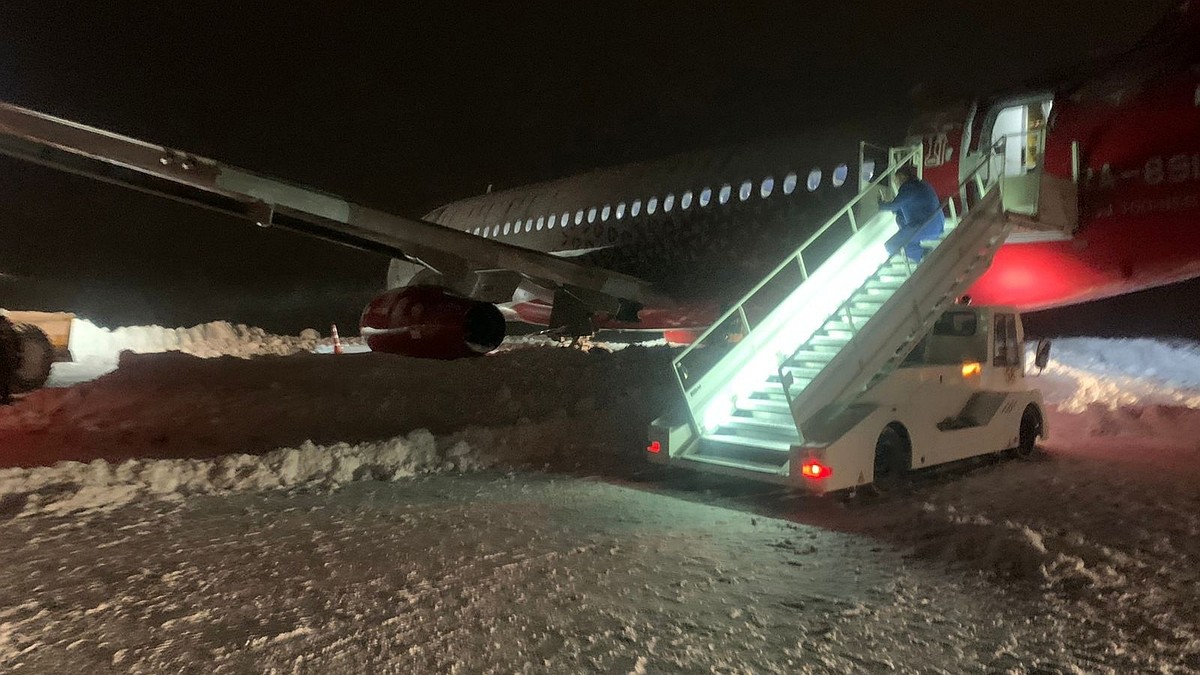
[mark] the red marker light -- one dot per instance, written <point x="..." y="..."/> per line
<point x="812" y="468"/>
<point x="654" y="447"/>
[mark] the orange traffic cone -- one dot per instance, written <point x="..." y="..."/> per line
<point x="337" y="343"/>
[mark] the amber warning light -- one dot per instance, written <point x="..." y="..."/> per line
<point x="971" y="368"/>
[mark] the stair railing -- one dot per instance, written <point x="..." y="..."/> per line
<point x="689" y="375"/>
<point x="843" y="311"/>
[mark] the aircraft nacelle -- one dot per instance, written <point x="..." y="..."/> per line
<point x="431" y="322"/>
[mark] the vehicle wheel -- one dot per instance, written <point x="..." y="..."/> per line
<point x="891" y="459"/>
<point x="10" y="350"/>
<point x="32" y="360"/>
<point x="1031" y="428"/>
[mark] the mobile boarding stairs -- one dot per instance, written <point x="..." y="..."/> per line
<point x="753" y="380"/>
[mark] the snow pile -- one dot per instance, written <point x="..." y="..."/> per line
<point x="98" y="486"/>
<point x="1120" y="372"/>
<point x="90" y="342"/>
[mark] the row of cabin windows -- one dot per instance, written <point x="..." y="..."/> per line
<point x="765" y="189"/>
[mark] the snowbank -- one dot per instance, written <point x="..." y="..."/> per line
<point x="90" y="342"/>
<point x="1120" y="372"/>
<point x="75" y="487"/>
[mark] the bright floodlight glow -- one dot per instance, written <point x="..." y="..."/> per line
<point x="747" y="365"/>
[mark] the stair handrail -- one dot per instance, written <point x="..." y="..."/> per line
<point x="914" y="153"/>
<point x="785" y="378"/>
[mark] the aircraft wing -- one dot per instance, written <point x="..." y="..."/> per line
<point x="109" y="157"/>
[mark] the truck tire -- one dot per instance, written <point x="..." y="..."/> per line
<point x="1031" y="428"/>
<point x="892" y="459"/>
<point x="10" y="350"/>
<point x="34" y="354"/>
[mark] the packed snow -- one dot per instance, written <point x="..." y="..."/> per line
<point x="230" y="468"/>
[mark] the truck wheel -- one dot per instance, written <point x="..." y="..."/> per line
<point x="891" y="459"/>
<point x="10" y="349"/>
<point x="33" y="358"/>
<point x="1031" y="428"/>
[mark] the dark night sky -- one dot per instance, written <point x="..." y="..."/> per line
<point x="405" y="106"/>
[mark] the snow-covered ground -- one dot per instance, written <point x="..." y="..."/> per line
<point x="311" y="513"/>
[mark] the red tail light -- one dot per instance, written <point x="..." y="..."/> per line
<point x="813" y="468"/>
<point x="654" y="447"/>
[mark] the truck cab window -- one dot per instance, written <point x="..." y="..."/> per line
<point x="955" y="339"/>
<point x="1007" y="348"/>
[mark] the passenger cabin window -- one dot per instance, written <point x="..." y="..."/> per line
<point x="668" y="202"/>
<point x="550" y="223"/>
<point x="789" y="183"/>
<point x="723" y="196"/>
<point x="685" y="201"/>
<point x="705" y="196"/>
<point x="767" y="187"/>
<point x="620" y="210"/>
<point x="592" y="215"/>
<point x="579" y="217"/>
<point x="1007" y="348"/>
<point x="955" y="339"/>
<point x="605" y="213"/>
<point x="651" y="205"/>
<point x="507" y="226"/>
<point x="541" y="222"/>
<point x="840" y="172"/>
<point x="635" y="208"/>
<point x="814" y="179"/>
<point x="744" y="190"/>
<point x="866" y="173"/>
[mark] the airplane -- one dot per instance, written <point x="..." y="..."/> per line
<point x="1110" y="158"/>
<point x="1126" y="135"/>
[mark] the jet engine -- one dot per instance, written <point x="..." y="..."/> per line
<point x="431" y="322"/>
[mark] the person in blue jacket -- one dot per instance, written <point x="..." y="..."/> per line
<point x="918" y="214"/>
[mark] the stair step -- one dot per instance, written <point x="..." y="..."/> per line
<point x="766" y="405"/>
<point x="828" y="331"/>
<point x="799" y="372"/>
<point x="759" y="430"/>
<point x="782" y="417"/>
<point x="780" y="446"/>
<point x="828" y="340"/>
<point x="885" y="290"/>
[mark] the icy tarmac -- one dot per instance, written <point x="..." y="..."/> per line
<point x="369" y="513"/>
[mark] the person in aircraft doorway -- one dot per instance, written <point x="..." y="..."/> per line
<point x="918" y="214"/>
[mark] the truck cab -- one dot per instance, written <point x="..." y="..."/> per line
<point x="960" y="392"/>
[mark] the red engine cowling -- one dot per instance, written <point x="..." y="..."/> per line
<point x="430" y="322"/>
